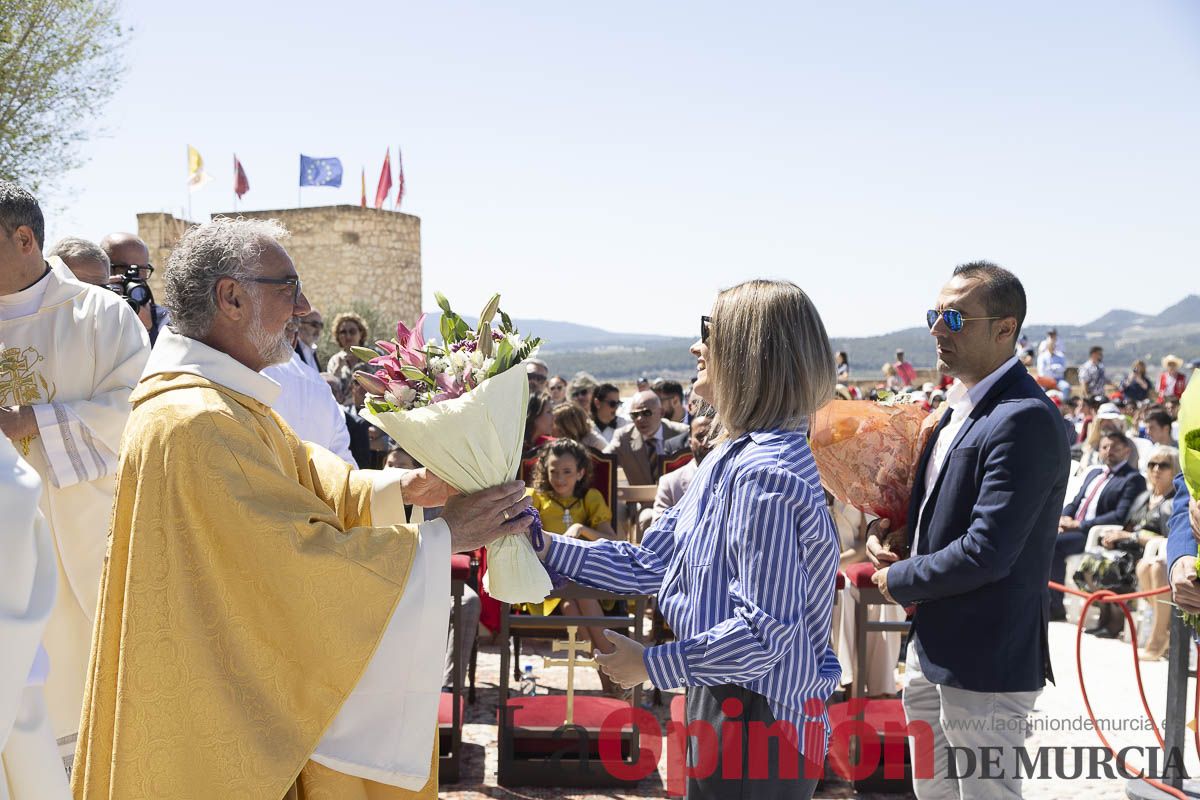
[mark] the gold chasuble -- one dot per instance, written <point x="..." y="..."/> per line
<point x="242" y="597"/>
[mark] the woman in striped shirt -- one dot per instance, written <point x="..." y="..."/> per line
<point x="744" y="565"/>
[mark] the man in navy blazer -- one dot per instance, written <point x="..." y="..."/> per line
<point x="1105" y="498"/>
<point x="987" y="496"/>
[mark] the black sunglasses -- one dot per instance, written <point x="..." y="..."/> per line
<point x="639" y="414"/>
<point x="613" y="403"/>
<point x="294" y="282"/>
<point x="705" y="326"/>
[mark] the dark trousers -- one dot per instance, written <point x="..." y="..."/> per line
<point x="1068" y="543"/>
<point x="733" y="774"/>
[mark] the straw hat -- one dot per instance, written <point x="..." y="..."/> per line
<point x="1172" y="361"/>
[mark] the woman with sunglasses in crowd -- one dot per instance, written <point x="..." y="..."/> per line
<point x="744" y="565"/>
<point x="606" y="402"/>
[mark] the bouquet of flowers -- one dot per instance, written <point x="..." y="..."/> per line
<point x="867" y="455"/>
<point x="458" y="407"/>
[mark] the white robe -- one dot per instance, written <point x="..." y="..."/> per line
<point x="29" y="764"/>
<point x="75" y="360"/>
<point x="307" y="405"/>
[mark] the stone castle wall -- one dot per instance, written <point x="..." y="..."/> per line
<point x="344" y="254"/>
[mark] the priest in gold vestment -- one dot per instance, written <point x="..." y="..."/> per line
<point x="263" y="607"/>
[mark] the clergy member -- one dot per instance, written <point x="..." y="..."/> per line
<point x="268" y="625"/>
<point x="70" y="354"/>
<point x="30" y="767"/>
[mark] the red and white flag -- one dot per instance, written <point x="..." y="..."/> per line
<point x="385" y="181"/>
<point x="241" y="184"/>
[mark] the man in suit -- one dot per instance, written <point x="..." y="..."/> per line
<point x="641" y="446"/>
<point x="987" y="495"/>
<point x="672" y="485"/>
<point x="1105" y="498"/>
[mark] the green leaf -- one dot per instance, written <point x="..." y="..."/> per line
<point x="504" y="354"/>
<point x="506" y="325"/>
<point x="415" y="374"/>
<point x="447" y="328"/>
<point x="364" y="353"/>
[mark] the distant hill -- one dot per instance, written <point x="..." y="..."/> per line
<point x="1125" y="335"/>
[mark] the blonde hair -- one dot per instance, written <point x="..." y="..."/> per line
<point x="350" y="316"/>
<point x="769" y="358"/>
<point x="572" y="421"/>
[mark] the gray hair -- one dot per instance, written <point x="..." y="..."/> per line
<point x="72" y="247"/>
<point x="223" y="248"/>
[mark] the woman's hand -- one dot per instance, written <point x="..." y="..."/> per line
<point x="624" y="664"/>
<point x="1111" y="539"/>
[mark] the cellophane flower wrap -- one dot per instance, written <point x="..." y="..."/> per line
<point x="458" y="407"/>
<point x="867" y="454"/>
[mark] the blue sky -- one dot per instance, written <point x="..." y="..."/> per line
<point x="617" y="164"/>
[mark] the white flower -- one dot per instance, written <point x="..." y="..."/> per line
<point x="487" y="365"/>
<point x="476" y="360"/>
<point x="437" y="365"/>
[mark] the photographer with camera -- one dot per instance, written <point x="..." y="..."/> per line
<point x="130" y="269"/>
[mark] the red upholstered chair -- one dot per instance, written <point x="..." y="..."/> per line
<point x="536" y="747"/>
<point x="881" y="714"/>
<point x="675" y="461"/>
<point x="604" y="477"/>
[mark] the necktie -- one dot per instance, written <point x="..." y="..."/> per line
<point x="655" y="462"/>
<point x="1087" y="502"/>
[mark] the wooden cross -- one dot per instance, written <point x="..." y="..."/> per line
<point x="572" y="647"/>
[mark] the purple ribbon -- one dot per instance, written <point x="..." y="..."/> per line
<point x="538" y="539"/>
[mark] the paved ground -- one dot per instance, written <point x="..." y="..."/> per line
<point x="1111" y="687"/>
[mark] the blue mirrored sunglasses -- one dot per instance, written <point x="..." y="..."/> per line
<point x="954" y="319"/>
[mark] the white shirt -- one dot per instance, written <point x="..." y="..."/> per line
<point x="307" y="405"/>
<point x="25" y="302"/>
<point x="962" y="402"/>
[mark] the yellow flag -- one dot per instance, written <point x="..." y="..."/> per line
<point x="197" y="177"/>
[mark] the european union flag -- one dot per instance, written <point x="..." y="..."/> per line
<point x="320" y="171"/>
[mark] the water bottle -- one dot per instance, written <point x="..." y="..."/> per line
<point x="528" y="682"/>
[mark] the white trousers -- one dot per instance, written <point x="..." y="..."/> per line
<point x="967" y="721"/>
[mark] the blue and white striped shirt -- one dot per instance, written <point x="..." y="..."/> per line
<point x="745" y="569"/>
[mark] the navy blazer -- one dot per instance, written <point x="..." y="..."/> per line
<point x="979" y="575"/>
<point x="1115" y="500"/>
<point x="1180" y="541"/>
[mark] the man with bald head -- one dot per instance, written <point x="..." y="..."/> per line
<point x="641" y="446"/>
<point x="124" y="250"/>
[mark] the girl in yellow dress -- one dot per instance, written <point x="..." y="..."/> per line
<point x="568" y="507"/>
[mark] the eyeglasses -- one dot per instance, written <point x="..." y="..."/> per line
<point x="294" y="282"/>
<point x="954" y="319"/>
<point x="613" y="403"/>
<point x="318" y="325"/>
<point x="144" y="271"/>
<point x="1157" y="464"/>
<point x="535" y="377"/>
<point x="579" y="393"/>
<point x="705" y="326"/>
<point x="645" y="412"/>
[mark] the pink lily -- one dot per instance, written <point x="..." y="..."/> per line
<point x="449" y="388"/>
<point x="412" y="343"/>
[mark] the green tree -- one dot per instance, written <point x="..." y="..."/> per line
<point x="60" y="61"/>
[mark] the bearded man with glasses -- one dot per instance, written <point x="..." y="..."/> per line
<point x="984" y="512"/>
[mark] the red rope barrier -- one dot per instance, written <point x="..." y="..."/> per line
<point x="1105" y="596"/>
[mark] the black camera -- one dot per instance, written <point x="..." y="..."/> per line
<point x="132" y="286"/>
